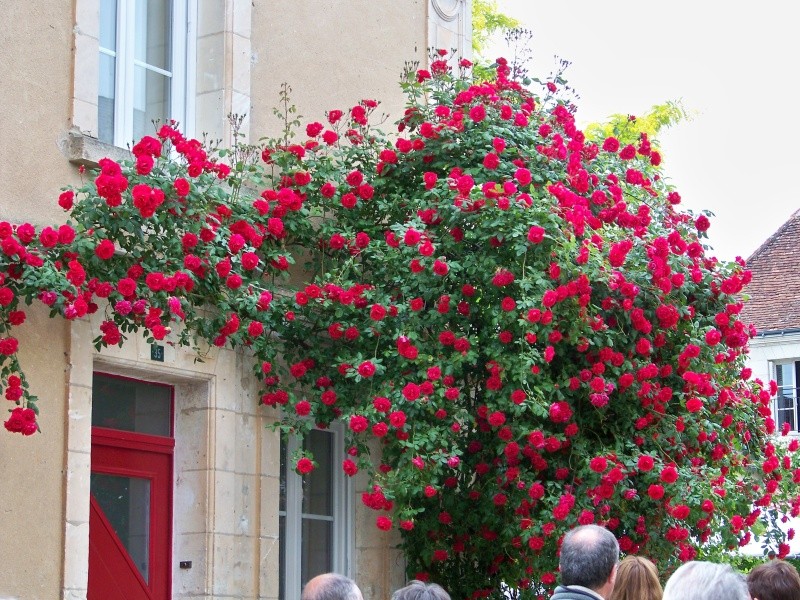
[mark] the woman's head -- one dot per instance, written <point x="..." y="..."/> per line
<point x="637" y="579"/>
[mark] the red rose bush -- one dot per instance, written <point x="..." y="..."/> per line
<point x="519" y="327"/>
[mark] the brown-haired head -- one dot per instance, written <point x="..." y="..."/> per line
<point x="637" y="579"/>
<point x="774" y="580"/>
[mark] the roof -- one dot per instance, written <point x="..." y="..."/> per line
<point x="774" y="291"/>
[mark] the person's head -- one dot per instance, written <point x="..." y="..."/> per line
<point x="589" y="556"/>
<point x="331" y="586"/>
<point x="698" y="580"/>
<point x="419" y="590"/>
<point x="774" y="580"/>
<point x="637" y="579"/>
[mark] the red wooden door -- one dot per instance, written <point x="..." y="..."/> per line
<point x="130" y="533"/>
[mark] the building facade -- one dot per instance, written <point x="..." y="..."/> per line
<point x="773" y="306"/>
<point x="155" y="475"/>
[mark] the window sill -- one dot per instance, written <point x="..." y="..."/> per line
<point x="84" y="150"/>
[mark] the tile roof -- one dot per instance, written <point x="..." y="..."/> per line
<point x="774" y="292"/>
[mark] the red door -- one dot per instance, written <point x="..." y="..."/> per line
<point x="130" y="534"/>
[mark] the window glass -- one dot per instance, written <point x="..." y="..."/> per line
<point x="318" y="485"/>
<point x="126" y="504"/>
<point x="136" y="76"/>
<point x="786" y="401"/>
<point x="108" y="24"/>
<point x="131" y="405"/>
<point x="105" y="98"/>
<point x="312" y="511"/>
<point x="317" y="555"/>
<point x="151" y="100"/>
<point x="153" y="43"/>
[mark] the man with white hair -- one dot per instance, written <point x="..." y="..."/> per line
<point x="331" y="586"/>
<point x="700" y="580"/>
<point x="588" y="564"/>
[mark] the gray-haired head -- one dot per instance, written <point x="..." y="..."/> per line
<point x="419" y="590"/>
<point x="700" y="580"/>
<point x="331" y="586"/>
<point x="588" y="556"/>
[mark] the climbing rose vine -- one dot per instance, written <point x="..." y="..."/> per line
<point x="519" y="327"/>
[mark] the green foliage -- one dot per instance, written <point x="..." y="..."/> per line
<point x="628" y="129"/>
<point x="487" y="20"/>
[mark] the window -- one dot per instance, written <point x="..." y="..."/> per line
<point x="787" y="376"/>
<point x="142" y="71"/>
<point x="313" y="513"/>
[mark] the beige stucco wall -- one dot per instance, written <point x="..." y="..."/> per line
<point x="32" y="471"/>
<point x="332" y="54"/>
<point x="36" y="62"/>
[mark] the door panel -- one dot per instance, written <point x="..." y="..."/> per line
<point x="112" y="575"/>
<point x="130" y="525"/>
<point x="130" y="529"/>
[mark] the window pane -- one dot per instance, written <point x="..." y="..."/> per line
<point x="108" y="24"/>
<point x="151" y="100"/>
<point x="318" y="485"/>
<point x="282" y="496"/>
<point x="153" y="24"/>
<point x="105" y="98"/>
<point x="783" y="375"/>
<point x="317" y="549"/>
<point x="282" y="557"/>
<point x="125" y="502"/>
<point x="131" y="405"/>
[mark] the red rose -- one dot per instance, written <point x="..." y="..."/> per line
<point x="8" y="346"/>
<point x="655" y="491"/>
<point x="477" y="113"/>
<point x="645" y="463"/>
<point x="334" y="116"/>
<point x="358" y="423"/>
<point x="694" y="405"/>
<point x="315" y="128"/>
<point x="628" y="152"/>
<point x="491" y="161"/>
<point x="383" y="523"/>
<point x="669" y="474"/>
<point x="440" y="268"/>
<point x="377" y="312"/>
<point x="598" y="464"/>
<point x="397" y="419"/>
<point x="304" y="466"/>
<point x="560" y="412"/>
<point x="65" y="199"/>
<point x="327" y="189"/>
<point x="105" y="249"/>
<point x="611" y="144"/>
<point x="349" y="467"/>
<point x="366" y="369"/>
<point x="496" y="419"/>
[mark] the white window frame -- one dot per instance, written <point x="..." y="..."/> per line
<point x="794" y="386"/>
<point x="183" y="59"/>
<point x="342" y="510"/>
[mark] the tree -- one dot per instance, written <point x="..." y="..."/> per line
<point x="629" y="129"/>
<point x="521" y="322"/>
<point x="487" y="20"/>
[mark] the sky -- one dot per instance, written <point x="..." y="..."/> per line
<point x="734" y="65"/>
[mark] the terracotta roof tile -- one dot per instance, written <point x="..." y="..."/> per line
<point x="774" y="292"/>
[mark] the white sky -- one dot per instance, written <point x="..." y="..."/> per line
<point x="735" y="64"/>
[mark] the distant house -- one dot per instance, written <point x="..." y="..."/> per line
<point x="774" y="308"/>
